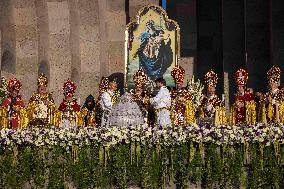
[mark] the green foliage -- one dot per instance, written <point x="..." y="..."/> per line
<point x="181" y="168"/>
<point x="143" y="166"/>
<point x="39" y="161"/>
<point x="58" y="168"/>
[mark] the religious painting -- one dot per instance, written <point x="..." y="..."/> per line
<point x="152" y="43"/>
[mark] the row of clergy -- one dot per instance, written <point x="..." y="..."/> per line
<point x="175" y="107"/>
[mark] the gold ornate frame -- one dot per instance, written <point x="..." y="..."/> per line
<point x="171" y="25"/>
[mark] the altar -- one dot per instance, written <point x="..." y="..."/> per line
<point x="141" y="156"/>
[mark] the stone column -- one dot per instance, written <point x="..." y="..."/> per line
<point x="188" y="64"/>
<point x="103" y="39"/>
<point x="112" y="35"/>
<point x="89" y="51"/>
<point x="112" y="27"/>
<point x="43" y="37"/>
<point x="257" y="41"/>
<point x="233" y="43"/>
<point x="75" y="45"/>
<point x="116" y="24"/>
<point x="59" y="53"/>
<point x="7" y="26"/>
<point x="227" y="92"/>
<point x="24" y="13"/>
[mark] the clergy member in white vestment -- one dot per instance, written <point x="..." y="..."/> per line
<point x="162" y="103"/>
<point x="107" y="99"/>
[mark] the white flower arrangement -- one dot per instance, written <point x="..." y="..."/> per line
<point x="195" y="89"/>
<point x="67" y="137"/>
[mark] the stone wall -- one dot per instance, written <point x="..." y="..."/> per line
<point x="78" y="39"/>
<point x="8" y="42"/>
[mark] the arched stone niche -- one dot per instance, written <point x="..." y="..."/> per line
<point x="43" y="68"/>
<point x="8" y="62"/>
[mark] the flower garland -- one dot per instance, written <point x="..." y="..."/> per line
<point x="224" y="156"/>
<point x="67" y="137"/>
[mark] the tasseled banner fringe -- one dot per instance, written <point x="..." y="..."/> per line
<point x="75" y="151"/>
<point x="15" y="154"/>
<point x="138" y="152"/>
<point x="103" y="155"/>
<point x="276" y="151"/>
<point x="246" y="153"/>
<point x="261" y="155"/>
<point x="191" y="152"/>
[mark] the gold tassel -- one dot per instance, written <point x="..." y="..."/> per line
<point x="191" y="152"/>
<point x="138" y="151"/>
<point x="44" y="153"/>
<point x="261" y="156"/>
<point x="276" y="151"/>
<point x="15" y="154"/>
<point x="158" y="150"/>
<point x="75" y="153"/>
<point x="246" y="148"/>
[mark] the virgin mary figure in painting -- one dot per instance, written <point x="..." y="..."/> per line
<point x="155" y="53"/>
